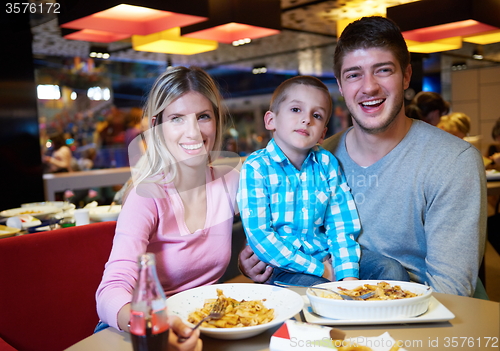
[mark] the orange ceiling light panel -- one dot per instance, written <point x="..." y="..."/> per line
<point x="170" y="42"/>
<point x="131" y="17"/>
<point x="430" y="20"/>
<point x="232" y="20"/>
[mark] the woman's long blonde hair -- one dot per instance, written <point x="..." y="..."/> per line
<point x="171" y="85"/>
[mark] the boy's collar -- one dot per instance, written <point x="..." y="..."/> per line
<point x="279" y="156"/>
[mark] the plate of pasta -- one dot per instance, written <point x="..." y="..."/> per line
<point x="251" y="308"/>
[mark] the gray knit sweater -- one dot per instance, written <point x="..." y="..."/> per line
<point x="423" y="204"/>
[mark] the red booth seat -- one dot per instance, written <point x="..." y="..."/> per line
<point x="47" y="286"/>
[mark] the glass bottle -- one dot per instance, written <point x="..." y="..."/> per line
<point x="148" y="318"/>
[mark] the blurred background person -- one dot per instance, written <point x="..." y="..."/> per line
<point x="133" y="124"/>
<point x="493" y="152"/>
<point x="493" y="155"/>
<point x="86" y="162"/>
<point x="114" y="131"/>
<point x="61" y="158"/>
<point x="428" y="107"/>
<point x="456" y="123"/>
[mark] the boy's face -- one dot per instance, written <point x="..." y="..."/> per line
<point x="373" y="84"/>
<point x="300" y="122"/>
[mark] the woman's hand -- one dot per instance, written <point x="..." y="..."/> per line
<point x="177" y="328"/>
<point x="252" y="267"/>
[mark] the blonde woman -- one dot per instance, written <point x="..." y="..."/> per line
<point x="180" y="207"/>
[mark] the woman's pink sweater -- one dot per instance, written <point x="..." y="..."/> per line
<point x="152" y="220"/>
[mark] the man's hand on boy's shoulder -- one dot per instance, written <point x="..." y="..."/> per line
<point x="252" y="267"/>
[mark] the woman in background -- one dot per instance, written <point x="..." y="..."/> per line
<point x="494" y="149"/>
<point x="61" y="158"/>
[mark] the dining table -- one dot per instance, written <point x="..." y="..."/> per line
<point x="475" y="326"/>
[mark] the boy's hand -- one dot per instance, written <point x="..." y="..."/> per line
<point x="253" y="268"/>
<point x="328" y="272"/>
<point x="349" y="278"/>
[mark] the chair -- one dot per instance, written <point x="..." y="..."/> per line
<point x="48" y="283"/>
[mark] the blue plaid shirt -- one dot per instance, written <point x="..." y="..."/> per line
<point x="293" y="219"/>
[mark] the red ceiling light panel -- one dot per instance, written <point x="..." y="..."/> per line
<point x="232" y="20"/>
<point x="130" y="17"/>
<point x="432" y="20"/>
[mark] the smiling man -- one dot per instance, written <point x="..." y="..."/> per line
<point x="420" y="192"/>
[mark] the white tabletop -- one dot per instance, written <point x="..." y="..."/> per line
<point x="476" y="323"/>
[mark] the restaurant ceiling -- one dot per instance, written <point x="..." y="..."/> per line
<point x="305" y="45"/>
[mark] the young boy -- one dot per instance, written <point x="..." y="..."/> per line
<point x="296" y="208"/>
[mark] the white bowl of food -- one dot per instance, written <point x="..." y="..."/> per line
<point x="387" y="303"/>
<point x="284" y="302"/>
<point x="104" y="213"/>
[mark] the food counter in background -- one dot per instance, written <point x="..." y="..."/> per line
<point x="60" y="182"/>
<point x="57" y="182"/>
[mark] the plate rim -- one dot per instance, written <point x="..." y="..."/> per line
<point x="4" y="213"/>
<point x="434" y="304"/>
<point x="13" y="231"/>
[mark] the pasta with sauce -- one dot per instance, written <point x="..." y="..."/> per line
<point x="237" y="313"/>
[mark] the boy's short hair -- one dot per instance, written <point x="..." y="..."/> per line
<point x="367" y="33"/>
<point x="280" y="94"/>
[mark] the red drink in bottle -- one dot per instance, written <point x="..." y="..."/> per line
<point x="150" y="341"/>
<point x="148" y="320"/>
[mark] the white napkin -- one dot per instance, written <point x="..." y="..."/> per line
<point x="293" y="336"/>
